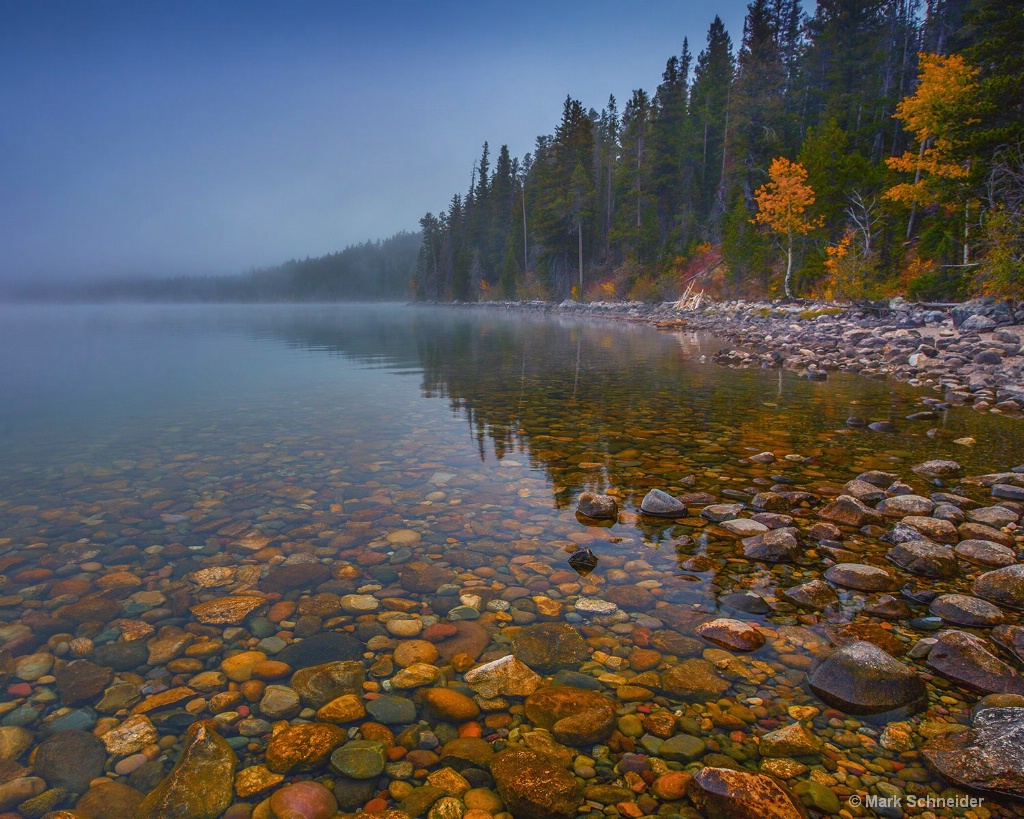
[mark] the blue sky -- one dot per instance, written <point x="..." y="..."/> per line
<point x="161" y="138"/>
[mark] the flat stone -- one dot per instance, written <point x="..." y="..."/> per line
<point x="734" y="635"/>
<point x="816" y="595"/>
<point x="789" y="741"/>
<point x="109" y="800"/>
<point x="131" y="736"/>
<point x="389" y="709"/>
<point x="231" y="610"/>
<point x="986" y="553"/>
<point x="449" y="705"/>
<point x="743" y="527"/>
<point x="938" y="469"/>
<point x="682" y="748"/>
<point x="903" y="505"/>
<point x="359" y="759"/>
<point x="941" y="531"/>
<point x="1010" y="637"/>
<point x="54" y="753"/>
<point x="81" y="680"/>
<point x="694" y="680"/>
<point x="321" y="648"/>
<point x="719" y="512"/>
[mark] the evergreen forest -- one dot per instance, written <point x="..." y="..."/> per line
<point x="855" y="150"/>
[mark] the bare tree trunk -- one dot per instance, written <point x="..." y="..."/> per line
<point x="917" y="181"/>
<point x="526" y="250"/>
<point x="579" y="237"/>
<point x="789" y="263"/>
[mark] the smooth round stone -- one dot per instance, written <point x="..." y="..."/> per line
<point x="130" y="764"/>
<point x="964" y="610"/>
<point x="661" y="504"/>
<point x="279" y="702"/>
<point x="448" y="705"/>
<point x="1003" y="586"/>
<point x="463" y="613"/>
<point x="416" y="675"/>
<point x="33" y="666"/>
<point x="402" y="627"/>
<point x="359" y="759"/>
<point x="734" y="635"/>
<point x="359" y="603"/>
<point x="14" y="741"/>
<point x="238" y="667"/>
<point x="682" y="748"/>
<point x="415" y="651"/>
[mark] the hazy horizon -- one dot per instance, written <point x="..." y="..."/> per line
<point x="191" y="139"/>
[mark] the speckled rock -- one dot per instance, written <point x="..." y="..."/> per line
<point x="532" y="787"/>
<point x="200" y="784"/>
<point x="109" y="800"/>
<point x="734" y="635"/>
<point x="53" y="753"/>
<point x="860" y="576"/>
<point x="317" y="685"/>
<point x="815" y="595"/>
<point x="303" y="747"/>
<point x="600" y="507"/>
<point x="504" y="677"/>
<point x="230" y="610"/>
<point x="964" y="610"/>
<point x="989" y="757"/>
<point x="848" y="511"/>
<point x="359" y="759"/>
<point x="661" y="504"/>
<point x="1005" y="586"/>
<point x="721" y="793"/>
<point x="694" y="680"/>
<point x="791" y="740"/>
<point x="303" y="800"/>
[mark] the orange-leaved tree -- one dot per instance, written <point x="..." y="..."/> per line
<point x="782" y="204"/>
<point x="938" y="114"/>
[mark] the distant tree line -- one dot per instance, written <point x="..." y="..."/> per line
<point x="901" y="123"/>
<point x="381" y="270"/>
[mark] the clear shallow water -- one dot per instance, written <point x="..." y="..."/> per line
<point x="329" y="427"/>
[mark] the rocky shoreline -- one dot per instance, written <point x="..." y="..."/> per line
<point x="969" y="354"/>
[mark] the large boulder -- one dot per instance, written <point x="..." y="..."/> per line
<point x="998" y="311"/>
<point x="575" y="716"/>
<point x="1004" y="586"/>
<point x="922" y="557"/>
<point x="989" y="757"/>
<point x="860" y="678"/>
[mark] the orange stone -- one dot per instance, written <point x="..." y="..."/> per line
<point x="271" y="670"/>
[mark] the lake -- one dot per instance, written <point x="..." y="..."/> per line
<point x="396" y="475"/>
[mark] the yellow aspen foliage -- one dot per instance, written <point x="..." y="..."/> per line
<point x="935" y="114"/>
<point x="782" y="205"/>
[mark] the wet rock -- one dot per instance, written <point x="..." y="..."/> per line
<point x="734" y="635"/>
<point x="791" y="740"/>
<point x="924" y="558"/>
<point x="504" y="677"/>
<point x="816" y="595"/>
<point x="303" y="747"/>
<point x="863" y="679"/>
<point x="583" y="561"/>
<point x="574" y="716"/>
<point x="325" y="647"/>
<point x="547" y="647"/>
<point x="986" y="553"/>
<point x="941" y="531"/>
<point x="864" y="491"/>
<point x="888" y="608"/>
<point x="1005" y="586"/>
<point x="860" y="576"/>
<point x="424" y="578"/>
<point x="775" y="546"/>
<point x="600" y="507"/>
<point x="95" y="608"/>
<point x="449" y="705"/>
<point x="964" y="610"/>
<point x="54" y="752"/>
<point x="745" y="602"/>
<point x="682" y="748"/>
<point x="131" y="736"/>
<point x="200" y="784"/>
<point x="532" y="787"/>
<point x="661" y="504"/>
<point x="966" y="660"/>
<point x="14" y="741"/>
<point x="938" y="469"/>
<point x="848" y="511"/>
<point x="989" y="757"/>
<point x="468" y="637"/>
<point x="694" y="680"/>
<point x="1011" y="638"/>
<point x="287" y="576"/>
<point x="18" y="790"/>
<point x="231" y="610"/>
<point x="303" y="800"/>
<point x="903" y="505"/>
<point x="359" y="759"/>
<point x="81" y="680"/>
<point x="630" y="598"/>
<point x="721" y="512"/>
<point x="109" y="800"/>
<point x="389" y="709"/>
<point x="122" y="656"/>
<point x="279" y="702"/>
<point x="722" y="793"/>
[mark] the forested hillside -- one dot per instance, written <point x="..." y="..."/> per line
<point x="370" y="271"/>
<point x="869" y="148"/>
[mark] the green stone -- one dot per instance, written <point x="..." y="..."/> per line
<point x="359" y="759"/>
<point x="682" y="748"/>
